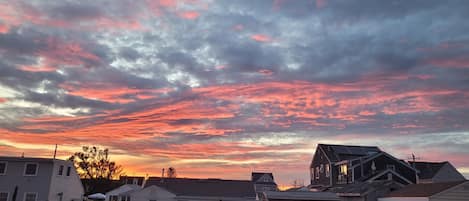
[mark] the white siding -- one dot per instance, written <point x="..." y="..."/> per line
<point x="69" y="186"/>
<point x="152" y="193"/>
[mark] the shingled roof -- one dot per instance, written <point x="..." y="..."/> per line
<point x="423" y="190"/>
<point x="204" y="187"/>
<point x="427" y="169"/>
<point x="337" y="153"/>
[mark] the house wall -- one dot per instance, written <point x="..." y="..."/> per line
<point x="318" y="159"/>
<point x="69" y="186"/>
<point x="153" y="193"/>
<point x="457" y="193"/>
<point x="381" y="163"/>
<point x="15" y="177"/>
<point x="448" y="173"/>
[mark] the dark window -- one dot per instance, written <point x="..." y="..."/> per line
<point x="68" y="170"/>
<point x="3" y="196"/>
<point x="113" y="198"/>
<point x="30" y="196"/>
<point x="61" y="170"/>
<point x="3" y="168"/>
<point x="30" y="169"/>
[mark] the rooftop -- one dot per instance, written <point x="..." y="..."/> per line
<point x="204" y="187"/>
<point x="423" y="190"/>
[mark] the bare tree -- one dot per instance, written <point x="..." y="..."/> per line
<point x="171" y="172"/>
<point x="95" y="163"/>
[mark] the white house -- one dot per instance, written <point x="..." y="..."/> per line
<point x="38" y="179"/>
<point x="447" y="191"/>
<point x="123" y="192"/>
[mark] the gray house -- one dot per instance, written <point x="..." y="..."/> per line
<point x="38" y="179"/>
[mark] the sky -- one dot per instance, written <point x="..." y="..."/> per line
<point x="220" y="88"/>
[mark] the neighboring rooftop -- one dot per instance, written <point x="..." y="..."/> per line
<point x="337" y="153"/>
<point x="423" y="190"/>
<point x="257" y="175"/>
<point x="26" y="159"/>
<point x="300" y="195"/>
<point x="204" y="187"/>
<point x="427" y="169"/>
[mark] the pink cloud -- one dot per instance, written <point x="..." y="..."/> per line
<point x="261" y="38"/>
<point x="190" y="15"/>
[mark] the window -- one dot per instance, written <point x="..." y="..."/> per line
<point x="125" y="198"/>
<point x="328" y="171"/>
<point x="134" y="181"/>
<point x="61" y="170"/>
<point x="113" y="198"/>
<point x="68" y="170"/>
<point x="3" y="196"/>
<point x="321" y="169"/>
<point x="317" y="172"/>
<point x="30" y="169"/>
<point x="30" y="196"/>
<point x="343" y="169"/>
<point x="3" y="168"/>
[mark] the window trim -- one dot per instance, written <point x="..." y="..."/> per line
<point x="30" y="175"/>
<point x="26" y="193"/>
<point x="328" y="170"/>
<point x="8" y="194"/>
<point x="6" y="167"/>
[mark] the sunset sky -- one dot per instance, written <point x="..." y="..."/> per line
<point x="219" y="88"/>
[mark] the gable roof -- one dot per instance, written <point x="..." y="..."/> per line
<point x="423" y="190"/>
<point x="336" y="153"/>
<point x="427" y="170"/>
<point x="255" y="176"/>
<point x="27" y="159"/>
<point x="204" y="187"/>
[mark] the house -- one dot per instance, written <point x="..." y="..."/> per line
<point x="446" y="191"/>
<point x="334" y="165"/>
<point x="299" y="196"/>
<point x="197" y="189"/>
<point x="39" y="179"/>
<point x="137" y="180"/>
<point x="263" y="181"/>
<point x="435" y="172"/>
<point x="122" y="193"/>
